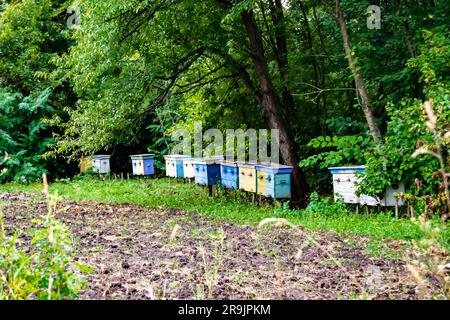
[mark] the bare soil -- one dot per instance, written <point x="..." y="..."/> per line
<point x="140" y="253"/>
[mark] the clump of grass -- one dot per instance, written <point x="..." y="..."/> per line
<point x="379" y="250"/>
<point x="212" y="265"/>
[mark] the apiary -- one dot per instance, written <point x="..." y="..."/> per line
<point x="101" y="164"/>
<point x="143" y="164"/>
<point x="247" y="176"/>
<point x="174" y="165"/>
<point x="229" y="173"/>
<point x="207" y="171"/>
<point x="274" y="180"/>
<point x="345" y="181"/>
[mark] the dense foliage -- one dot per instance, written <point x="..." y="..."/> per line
<point x="135" y="71"/>
<point x="32" y="33"/>
<point x="22" y="140"/>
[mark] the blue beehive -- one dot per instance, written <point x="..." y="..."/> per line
<point x="207" y="171"/>
<point x="143" y="164"/>
<point x="229" y="173"/>
<point x="174" y="165"/>
<point x="274" y="180"/>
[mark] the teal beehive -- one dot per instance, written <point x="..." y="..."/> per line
<point x="274" y="180"/>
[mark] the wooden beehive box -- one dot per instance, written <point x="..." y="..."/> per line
<point x="247" y="176"/>
<point x="188" y="168"/>
<point x="207" y="171"/>
<point x="389" y="198"/>
<point x="174" y="165"/>
<point x="229" y="173"/>
<point x="143" y="164"/>
<point x="274" y="180"/>
<point x="86" y="163"/>
<point x="101" y="164"/>
<point x="344" y="186"/>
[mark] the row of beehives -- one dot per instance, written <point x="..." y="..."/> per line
<point x="266" y="179"/>
<point x="272" y="180"/>
<point x="143" y="164"/>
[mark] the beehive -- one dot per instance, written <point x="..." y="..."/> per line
<point x="101" y="164"/>
<point x="174" y="165"/>
<point x="207" y="171"/>
<point x="143" y="164"/>
<point x="274" y="180"/>
<point x="229" y="174"/>
<point x="188" y="168"/>
<point x="247" y="176"/>
<point x="85" y="164"/>
<point x="388" y="199"/>
<point x="345" y="187"/>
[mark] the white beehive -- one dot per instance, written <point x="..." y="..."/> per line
<point x="389" y="198"/>
<point x="188" y="168"/>
<point x="345" y="181"/>
<point x="174" y="165"/>
<point x="101" y="164"/>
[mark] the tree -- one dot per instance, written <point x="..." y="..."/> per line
<point x="31" y="35"/>
<point x="22" y="136"/>
<point x="142" y="68"/>
<point x="359" y="81"/>
<point x="164" y="67"/>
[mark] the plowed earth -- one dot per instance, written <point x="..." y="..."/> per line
<point x="140" y="253"/>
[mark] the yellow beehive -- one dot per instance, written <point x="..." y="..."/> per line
<point x="247" y="177"/>
<point x="262" y="183"/>
<point x="85" y="164"/>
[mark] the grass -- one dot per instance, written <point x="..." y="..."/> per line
<point x="165" y="193"/>
<point x="381" y="251"/>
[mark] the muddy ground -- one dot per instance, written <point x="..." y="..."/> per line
<point x="140" y="253"/>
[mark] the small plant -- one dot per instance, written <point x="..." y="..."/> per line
<point x="283" y="209"/>
<point x="325" y="206"/>
<point x="17" y="279"/>
<point x="211" y="268"/>
<point x="46" y="270"/>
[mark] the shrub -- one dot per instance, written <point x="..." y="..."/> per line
<point x="22" y="141"/>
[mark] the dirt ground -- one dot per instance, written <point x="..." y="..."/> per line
<point x="139" y="253"/>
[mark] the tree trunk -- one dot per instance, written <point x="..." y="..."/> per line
<point x="359" y="82"/>
<point x="281" y="53"/>
<point x="271" y="111"/>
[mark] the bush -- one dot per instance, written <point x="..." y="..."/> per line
<point x="22" y="141"/>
